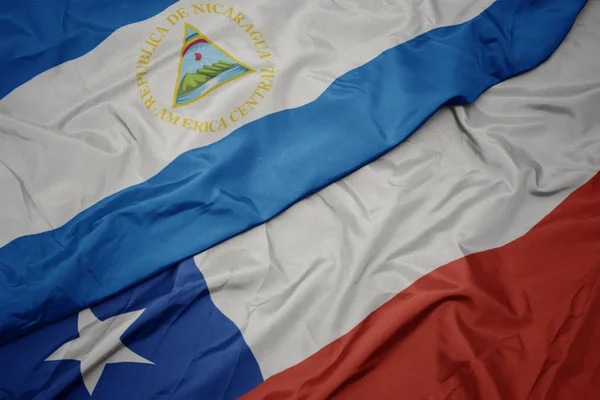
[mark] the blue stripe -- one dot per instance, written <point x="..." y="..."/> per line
<point x="38" y="35"/>
<point x="196" y="351"/>
<point x="212" y="193"/>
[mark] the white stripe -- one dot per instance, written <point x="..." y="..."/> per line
<point x="79" y="132"/>
<point x="471" y="179"/>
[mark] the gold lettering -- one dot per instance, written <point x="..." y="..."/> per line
<point x="144" y="60"/>
<point x="150" y="43"/>
<point x="231" y="116"/>
<point x="140" y="79"/>
<point x="264" y="86"/>
<point x="256" y="92"/>
<point x="267" y="78"/>
<point x="163" y="31"/>
<point x="263" y="54"/>
<point x="238" y="18"/>
<point x="257" y="44"/>
<point x="228" y="13"/>
<point x="199" y="126"/>
<point x="242" y="109"/>
<point x="173" y="19"/>
<point x="267" y="75"/>
<point x="182" y="12"/>
<point x="268" y="72"/>
<point x="198" y="8"/>
<point x="248" y="27"/>
<point x="170" y="117"/>
<point x="157" y="41"/>
<point x="185" y="123"/>
<point x="149" y="102"/>
<point x="145" y="91"/>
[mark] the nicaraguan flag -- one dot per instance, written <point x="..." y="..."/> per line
<point x="137" y="136"/>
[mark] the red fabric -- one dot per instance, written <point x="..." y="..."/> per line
<point x="518" y="322"/>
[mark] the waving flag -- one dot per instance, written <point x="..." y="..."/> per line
<point x="146" y="150"/>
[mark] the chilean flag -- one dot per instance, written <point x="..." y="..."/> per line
<point x="400" y="200"/>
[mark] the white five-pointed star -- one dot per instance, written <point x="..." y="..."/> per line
<point x="99" y="343"/>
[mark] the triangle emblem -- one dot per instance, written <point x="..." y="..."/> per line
<point x="203" y="67"/>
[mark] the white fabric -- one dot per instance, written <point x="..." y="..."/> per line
<point x="89" y="134"/>
<point x="473" y="178"/>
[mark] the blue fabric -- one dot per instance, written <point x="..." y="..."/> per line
<point x="38" y="35"/>
<point x="212" y="193"/>
<point x="197" y="353"/>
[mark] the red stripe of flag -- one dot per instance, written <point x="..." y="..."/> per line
<point x="518" y="322"/>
